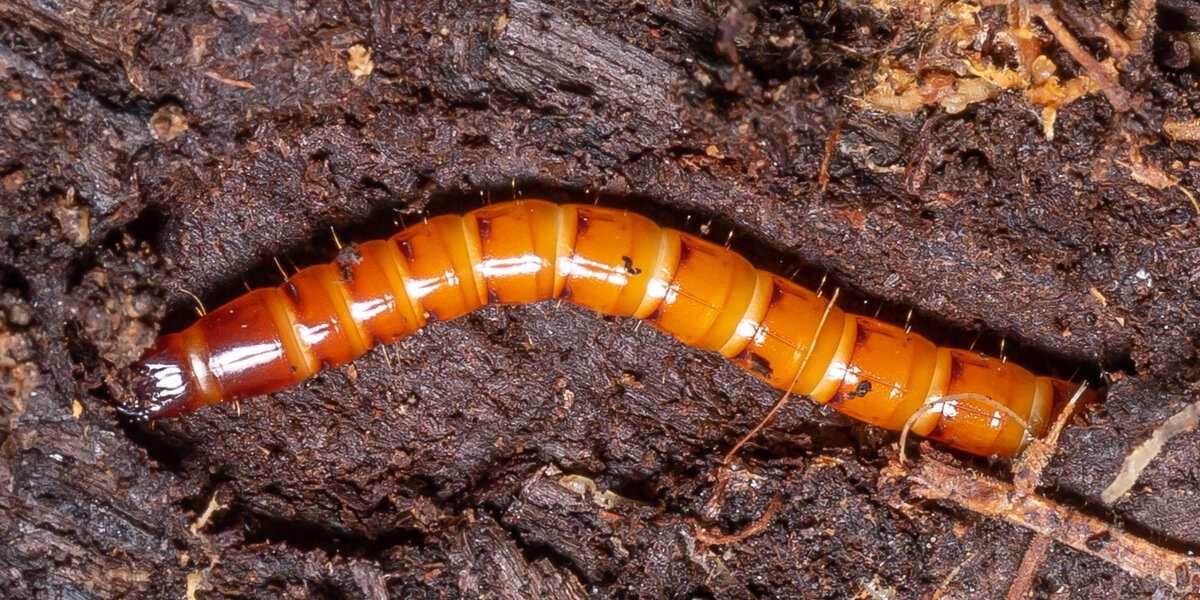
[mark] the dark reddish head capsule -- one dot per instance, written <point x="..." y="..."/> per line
<point x="161" y="385"/>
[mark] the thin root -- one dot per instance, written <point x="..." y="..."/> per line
<point x="788" y="394"/>
<point x="1034" y="555"/>
<point x="830" y="146"/>
<point x="723" y="471"/>
<point x="717" y="539"/>
<point x="940" y="403"/>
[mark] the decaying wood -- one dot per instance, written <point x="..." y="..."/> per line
<point x="495" y="567"/>
<point x="154" y="149"/>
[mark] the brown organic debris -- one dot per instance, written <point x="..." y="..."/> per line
<point x="957" y="64"/>
<point x="1104" y="74"/>
<point x="1182" y="131"/>
<point x="168" y="122"/>
<point x="360" y="63"/>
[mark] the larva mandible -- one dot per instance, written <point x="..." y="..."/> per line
<point x="613" y="262"/>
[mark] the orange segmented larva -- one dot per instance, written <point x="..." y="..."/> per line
<point x="613" y="262"/>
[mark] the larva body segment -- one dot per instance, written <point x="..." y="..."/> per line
<point x="612" y="262"/>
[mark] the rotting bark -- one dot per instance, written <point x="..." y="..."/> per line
<point x="152" y="149"/>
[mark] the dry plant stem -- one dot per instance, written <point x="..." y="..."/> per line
<point x="1041" y="450"/>
<point x="1139" y="458"/>
<point x="1117" y="96"/>
<point x="1028" y="476"/>
<point x="830" y="146"/>
<point x="1018" y="504"/>
<point x="1027" y="572"/>
<point x="1094" y="26"/>
<point x="1136" y="556"/>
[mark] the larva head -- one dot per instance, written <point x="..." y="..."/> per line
<point x="160" y="386"/>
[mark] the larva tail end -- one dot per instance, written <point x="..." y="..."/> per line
<point x="159" y="388"/>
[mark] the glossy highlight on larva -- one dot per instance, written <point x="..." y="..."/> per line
<point x="613" y="262"/>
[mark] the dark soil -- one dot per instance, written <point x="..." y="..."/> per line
<point x="155" y="150"/>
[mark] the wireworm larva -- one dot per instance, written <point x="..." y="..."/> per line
<point x="613" y="262"/>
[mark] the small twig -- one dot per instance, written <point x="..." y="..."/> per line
<point x="1139" y="557"/>
<point x="228" y="81"/>
<point x="1029" y="469"/>
<point x="830" y="145"/>
<point x="1034" y="555"/>
<point x="1092" y="25"/>
<point x="1116" y="95"/>
<point x="1028" y="476"/>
